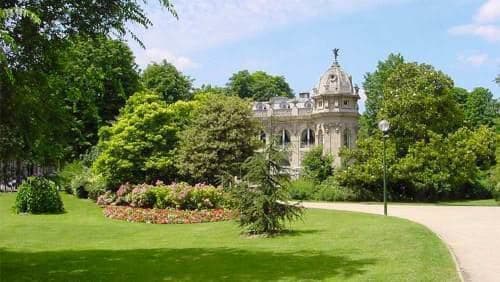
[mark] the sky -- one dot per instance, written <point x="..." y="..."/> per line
<point x="212" y="39"/>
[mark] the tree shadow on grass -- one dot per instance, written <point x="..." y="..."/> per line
<point x="193" y="264"/>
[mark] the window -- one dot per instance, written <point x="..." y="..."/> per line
<point x="284" y="138"/>
<point x="308" y="105"/>
<point x="262" y="137"/>
<point x="347" y="138"/>
<point x="346" y="102"/>
<point x="260" y="107"/>
<point x="307" y="138"/>
<point x="320" y="104"/>
<point x="284" y="105"/>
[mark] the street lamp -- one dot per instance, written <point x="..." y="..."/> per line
<point x="384" y="126"/>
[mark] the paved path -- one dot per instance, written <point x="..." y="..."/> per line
<point x="473" y="233"/>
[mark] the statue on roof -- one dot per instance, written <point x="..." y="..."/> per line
<point x="336" y="54"/>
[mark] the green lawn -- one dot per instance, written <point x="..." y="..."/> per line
<point x="82" y="245"/>
<point x="485" y="202"/>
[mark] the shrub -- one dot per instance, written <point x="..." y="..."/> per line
<point x="496" y="193"/>
<point x="330" y="190"/>
<point x="316" y="165"/>
<point x="142" y="196"/>
<point x="163" y="197"/>
<point x="88" y="185"/>
<point x="204" y="197"/>
<point x="106" y="199"/>
<point x="302" y="189"/>
<point x="38" y="195"/>
<point x="68" y="173"/>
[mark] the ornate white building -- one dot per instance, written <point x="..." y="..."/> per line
<point x="327" y="116"/>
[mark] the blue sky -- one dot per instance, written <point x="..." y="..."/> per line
<point x="215" y="38"/>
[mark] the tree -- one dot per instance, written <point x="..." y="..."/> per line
<point x="139" y="146"/>
<point x="460" y="95"/>
<point x="96" y="77"/>
<point x="166" y="80"/>
<point x="418" y="100"/>
<point x="479" y="108"/>
<point x="220" y="138"/>
<point x="317" y="166"/>
<point x="33" y="109"/>
<point x="259" y="85"/>
<point x="374" y="89"/>
<point x="262" y="199"/>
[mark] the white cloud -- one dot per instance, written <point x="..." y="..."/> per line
<point x="157" y="54"/>
<point x="204" y="24"/>
<point x="488" y="12"/>
<point x="488" y="32"/>
<point x="486" y="23"/>
<point x="475" y="60"/>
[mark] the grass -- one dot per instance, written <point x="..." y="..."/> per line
<point x="485" y="203"/>
<point x="82" y="245"/>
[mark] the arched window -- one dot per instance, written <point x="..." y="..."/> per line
<point x="284" y="138"/>
<point x="308" y="105"/>
<point x="262" y="137"/>
<point x="284" y="105"/>
<point x="347" y="138"/>
<point x="320" y="137"/>
<point x="307" y="138"/>
<point x="260" y="107"/>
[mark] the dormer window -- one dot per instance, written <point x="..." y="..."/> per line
<point x="284" y="105"/>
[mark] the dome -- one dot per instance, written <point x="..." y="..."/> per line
<point x="335" y="81"/>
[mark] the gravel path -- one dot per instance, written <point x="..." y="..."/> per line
<point x="472" y="233"/>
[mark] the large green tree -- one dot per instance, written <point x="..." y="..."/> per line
<point x="33" y="108"/>
<point x="220" y="138"/>
<point x="258" y="85"/>
<point x="417" y="100"/>
<point x="164" y="79"/>
<point x="139" y="146"/>
<point x="480" y="108"/>
<point x="374" y="89"/>
<point x="96" y="77"/>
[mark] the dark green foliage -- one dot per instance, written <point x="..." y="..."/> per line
<point x="374" y="89"/>
<point x="166" y="80"/>
<point x="263" y="201"/>
<point x="480" y="108"/>
<point x="68" y="173"/>
<point x="96" y="77"/>
<point x="220" y="138"/>
<point x="330" y="190"/>
<point x="88" y="184"/>
<point x="35" y="101"/>
<point x="316" y="165"/>
<point x="418" y="100"/>
<point x="302" y="189"/>
<point x="258" y="86"/>
<point x="139" y="146"/>
<point x="38" y="195"/>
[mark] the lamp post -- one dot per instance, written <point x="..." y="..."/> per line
<point x="384" y="126"/>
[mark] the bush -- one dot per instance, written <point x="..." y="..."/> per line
<point x="496" y="193"/>
<point x="38" y="195"/>
<point x="88" y="185"/>
<point x="142" y="196"/>
<point x="163" y="197"/>
<point x="204" y="197"/>
<point x="68" y="173"/>
<point x="330" y="190"/>
<point x="106" y="199"/>
<point x="302" y="189"/>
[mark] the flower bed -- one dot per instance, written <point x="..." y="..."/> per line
<point x="168" y="216"/>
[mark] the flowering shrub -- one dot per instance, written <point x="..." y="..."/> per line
<point x="106" y="199"/>
<point x="168" y="216"/>
<point x="142" y="196"/>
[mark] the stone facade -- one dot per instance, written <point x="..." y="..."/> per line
<point x="327" y="116"/>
